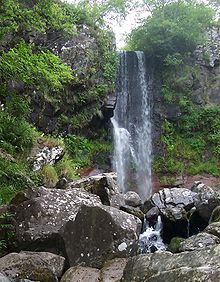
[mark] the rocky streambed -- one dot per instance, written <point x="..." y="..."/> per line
<point x="87" y="231"/>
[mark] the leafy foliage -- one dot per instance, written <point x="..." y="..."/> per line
<point x="43" y="69"/>
<point x="175" y="27"/>
<point x="192" y="145"/>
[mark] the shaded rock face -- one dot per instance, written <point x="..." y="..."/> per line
<point x="43" y="267"/>
<point x="199" y="265"/>
<point x="98" y="234"/>
<point x="40" y="213"/>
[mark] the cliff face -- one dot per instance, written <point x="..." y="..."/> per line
<point x="201" y="80"/>
<point x="73" y="109"/>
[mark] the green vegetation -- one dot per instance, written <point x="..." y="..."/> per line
<point x="173" y="30"/>
<point x="170" y="34"/>
<point x="192" y="145"/>
<point x="31" y="33"/>
<point x="7" y="232"/>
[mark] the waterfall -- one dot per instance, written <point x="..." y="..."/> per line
<point x="150" y="239"/>
<point x="132" y="125"/>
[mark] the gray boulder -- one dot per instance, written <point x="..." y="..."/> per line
<point x="40" y="213"/>
<point x="132" y="199"/>
<point x="43" y="267"/>
<point x="4" y="278"/>
<point x="207" y="200"/>
<point x="198" y="241"/>
<point x="213" y="228"/>
<point x="174" y="197"/>
<point x="104" y="185"/>
<point x="44" y="153"/>
<point x="113" y="270"/>
<point x="80" y="273"/>
<point x="98" y="234"/>
<point x="199" y="265"/>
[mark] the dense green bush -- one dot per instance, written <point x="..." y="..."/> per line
<point x="172" y="30"/>
<point x="14" y="176"/>
<point x="85" y="152"/>
<point x="192" y="145"/>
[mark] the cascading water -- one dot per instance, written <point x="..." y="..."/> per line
<point x="150" y="240"/>
<point x="132" y="125"/>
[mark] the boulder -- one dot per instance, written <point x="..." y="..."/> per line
<point x="4" y="278"/>
<point x="213" y="228"/>
<point x="113" y="270"/>
<point x="184" y="212"/>
<point x="174" y="197"/>
<point x="43" y="267"/>
<point x="134" y="211"/>
<point x="198" y="241"/>
<point x="199" y="265"/>
<point x="207" y="200"/>
<point x="174" y="205"/>
<point x="44" y="153"/>
<point x="132" y="199"/>
<point x="80" y="273"/>
<point x="98" y="234"/>
<point x="40" y="213"/>
<point x="104" y="185"/>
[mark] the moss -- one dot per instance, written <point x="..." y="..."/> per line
<point x="215" y="216"/>
<point x="174" y="244"/>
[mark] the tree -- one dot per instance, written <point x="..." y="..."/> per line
<point x="175" y="27"/>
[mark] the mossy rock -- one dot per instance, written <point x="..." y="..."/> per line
<point x="174" y="244"/>
<point x="215" y="216"/>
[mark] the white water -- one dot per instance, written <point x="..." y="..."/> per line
<point x="150" y="240"/>
<point x="132" y="126"/>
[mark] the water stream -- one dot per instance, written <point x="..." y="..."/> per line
<point x="150" y="239"/>
<point x="132" y="125"/>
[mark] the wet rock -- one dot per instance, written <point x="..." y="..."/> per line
<point x="132" y="199"/>
<point x="44" y="153"/>
<point x="198" y="241"/>
<point x="174" y="206"/>
<point x="152" y="214"/>
<point x="80" y="273"/>
<point x="113" y="270"/>
<point x="206" y="201"/>
<point x="98" y="234"/>
<point x="43" y="267"/>
<point x="199" y="265"/>
<point x="104" y="185"/>
<point x="40" y="213"/>
<point x="213" y="228"/>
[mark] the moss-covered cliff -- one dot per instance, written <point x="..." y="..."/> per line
<point x="57" y="67"/>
